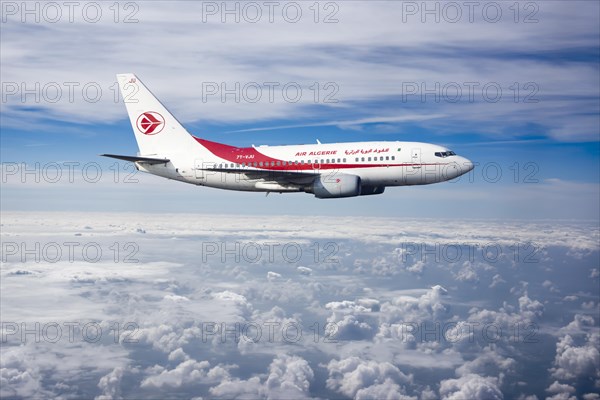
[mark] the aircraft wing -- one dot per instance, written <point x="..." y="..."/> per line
<point x="284" y="177"/>
<point x="147" y="160"/>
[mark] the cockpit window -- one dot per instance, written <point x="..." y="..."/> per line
<point x="444" y="154"/>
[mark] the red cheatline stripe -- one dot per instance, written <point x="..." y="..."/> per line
<point x="249" y="155"/>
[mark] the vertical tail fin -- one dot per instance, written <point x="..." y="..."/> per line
<point x="157" y="131"/>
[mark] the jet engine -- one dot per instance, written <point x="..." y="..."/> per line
<point x="336" y="186"/>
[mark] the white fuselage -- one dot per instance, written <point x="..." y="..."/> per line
<point x="257" y="168"/>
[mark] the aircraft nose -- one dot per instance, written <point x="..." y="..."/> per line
<point x="466" y="165"/>
<point x="461" y="166"/>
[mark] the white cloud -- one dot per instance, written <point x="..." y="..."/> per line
<point x="496" y="280"/>
<point x="289" y="377"/>
<point x="45" y="368"/>
<point x="388" y="390"/>
<point x="110" y="384"/>
<point x="557" y="387"/>
<point x="178" y="355"/>
<point x="574" y="361"/>
<point x="351" y="376"/>
<point x="488" y="362"/>
<point x="470" y="386"/>
<point x="273" y="276"/>
<point x="530" y="308"/>
<point x="304" y="270"/>
<point x="579" y="324"/>
<point x="186" y="373"/>
<point x="467" y="273"/>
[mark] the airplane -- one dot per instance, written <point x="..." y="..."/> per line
<point x="326" y="170"/>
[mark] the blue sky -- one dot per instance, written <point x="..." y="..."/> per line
<point x="378" y="60"/>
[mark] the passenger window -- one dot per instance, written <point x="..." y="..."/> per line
<point x="344" y="160"/>
<point x="362" y="159"/>
<point x="356" y="159"/>
<point x="393" y="158"/>
<point x="369" y="158"/>
<point x="387" y="158"/>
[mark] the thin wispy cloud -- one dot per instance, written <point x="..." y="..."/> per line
<point x="349" y="123"/>
<point x="366" y="53"/>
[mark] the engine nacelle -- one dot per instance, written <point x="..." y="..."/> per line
<point x="335" y="186"/>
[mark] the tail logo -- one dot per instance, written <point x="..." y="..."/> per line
<point x="150" y="123"/>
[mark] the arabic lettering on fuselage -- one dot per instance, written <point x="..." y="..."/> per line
<point x="366" y="151"/>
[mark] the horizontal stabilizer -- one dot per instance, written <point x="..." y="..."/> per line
<point x="147" y="160"/>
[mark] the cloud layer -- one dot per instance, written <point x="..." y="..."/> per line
<point x="211" y="306"/>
